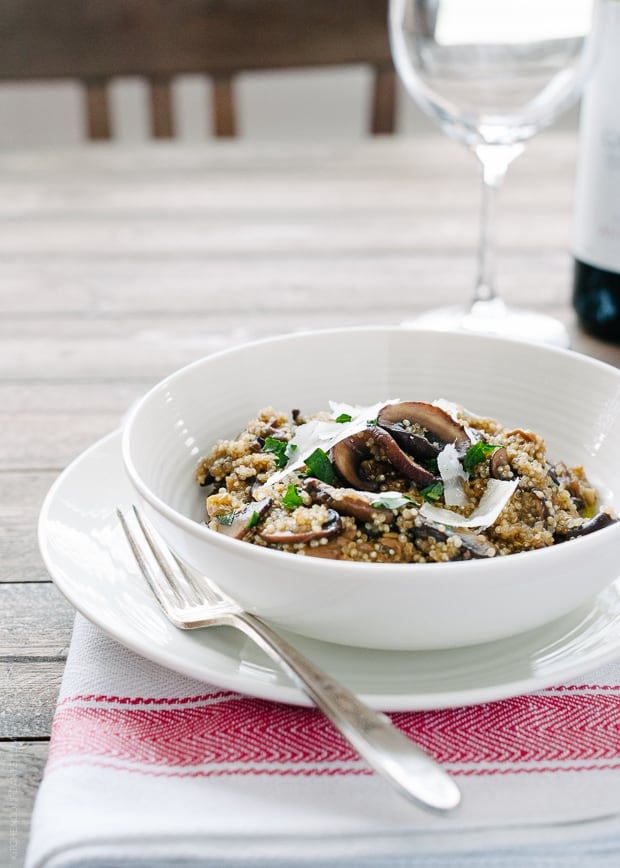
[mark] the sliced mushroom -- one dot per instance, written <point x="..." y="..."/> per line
<point x="346" y="501"/>
<point x="244" y="519"/>
<point x="499" y="466"/>
<point x="331" y="528"/>
<point x="533" y="506"/>
<point x="333" y="549"/>
<point x="472" y="546"/>
<point x="422" y="429"/>
<point x="348" y="455"/>
<point x="599" y="521"/>
<point x="582" y="493"/>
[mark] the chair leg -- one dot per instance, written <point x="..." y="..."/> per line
<point x="384" y="102"/>
<point x="224" y="121"/>
<point x="162" y="122"/>
<point x="98" y="110"/>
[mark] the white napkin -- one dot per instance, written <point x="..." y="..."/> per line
<point x="148" y="768"/>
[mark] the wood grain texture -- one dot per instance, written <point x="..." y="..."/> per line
<point x="119" y="265"/>
<point x="21" y="769"/>
<point x="72" y="37"/>
<point x="29" y="690"/>
<point x="22" y="496"/>
<point x="98" y="120"/>
<point x="35" y="622"/>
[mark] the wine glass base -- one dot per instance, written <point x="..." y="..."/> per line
<point x="495" y="318"/>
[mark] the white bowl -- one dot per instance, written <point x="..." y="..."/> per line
<point x="571" y="400"/>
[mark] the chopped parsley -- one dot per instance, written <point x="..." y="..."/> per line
<point x="433" y="491"/>
<point x="344" y="417"/>
<point x="392" y="500"/>
<point x="320" y="467"/>
<point x="280" y="448"/>
<point x="477" y="453"/>
<point x="226" y="518"/>
<point x="254" y="519"/>
<point x="291" y="499"/>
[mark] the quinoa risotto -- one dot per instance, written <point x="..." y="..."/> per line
<point x="397" y="482"/>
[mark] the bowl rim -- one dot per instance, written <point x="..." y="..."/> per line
<point x="202" y="532"/>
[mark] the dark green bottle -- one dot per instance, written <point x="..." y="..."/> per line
<point x="596" y="283"/>
<point x="596" y="297"/>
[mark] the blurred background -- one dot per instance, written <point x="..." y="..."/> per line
<point x="40" y="106"/>
<point x="293" y="104"/>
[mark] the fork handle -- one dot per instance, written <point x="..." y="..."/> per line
<point x="384" y="747"/>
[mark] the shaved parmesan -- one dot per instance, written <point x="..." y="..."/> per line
<point x="497" y="494"/>
<point x="452" y="476"/>
<point x="448" y="407"/>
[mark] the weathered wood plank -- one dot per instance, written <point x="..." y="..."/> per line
<point x="22" y="495"/>
<point x="19" y="553"/>
<point x="98" y="288"/>
<point x="36" y="398"/>
<point x="550" y="154"/>
<point x="21" y="770"/>
<point x="326" y="190"/>
<point x="147" y="350"/>
<point x="50" y="442"/>
<point x="277" y="235"/>
<point x="28" y="692"/>
<point x="35" y="622"/>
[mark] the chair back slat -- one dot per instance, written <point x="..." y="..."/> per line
<point x="99" y="125"/>
<point x="162" y="119"/>
<point x="383" y="101"/>
<point x="223" y="107"/>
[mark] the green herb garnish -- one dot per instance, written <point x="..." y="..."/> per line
<point x="226" y="518"/>
<point x="477" y="453"/>
<point x="344" y="417"/>
<point x="279" y="449"/>
<point x="433" y="491"/>
<point x="392" y="500"/>
<point x="254" y="519"/>
<point x="291" y="499"/>
<point x="320" y="467"/>
<point x="372" y="422"/>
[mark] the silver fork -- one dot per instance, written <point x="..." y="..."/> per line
<point x="190" y="601"/>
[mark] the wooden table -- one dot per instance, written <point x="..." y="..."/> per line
<point x="118" y="266"/>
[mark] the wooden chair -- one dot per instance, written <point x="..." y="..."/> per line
<point x="97" y="40"/>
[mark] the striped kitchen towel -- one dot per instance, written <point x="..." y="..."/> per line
<point x="148" y="768"/>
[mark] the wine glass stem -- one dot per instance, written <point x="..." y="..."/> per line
<point x="494" y="160"/>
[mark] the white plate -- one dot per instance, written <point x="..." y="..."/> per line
<point x="89" y="560"/>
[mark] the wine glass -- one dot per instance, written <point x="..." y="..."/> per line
<point x="492" y="73"/>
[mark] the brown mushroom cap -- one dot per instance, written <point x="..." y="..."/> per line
<point x="499" y="466"/>
<point x="346" y="501"/>
<point x="599" y="521"/>
<point x="422" y="429"/>
<point x="349" y="453"/>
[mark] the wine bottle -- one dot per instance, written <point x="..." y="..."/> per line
<point x="596" y="282"/>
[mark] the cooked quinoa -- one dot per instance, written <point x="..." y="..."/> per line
<point x="401" y="482"/>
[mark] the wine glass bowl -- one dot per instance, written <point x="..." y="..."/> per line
<point x="492" y="73"/>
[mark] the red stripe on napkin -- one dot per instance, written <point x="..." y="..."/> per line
<point x="228" y="734"/>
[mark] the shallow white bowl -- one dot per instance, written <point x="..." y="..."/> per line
<point x="571" y="400"/>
